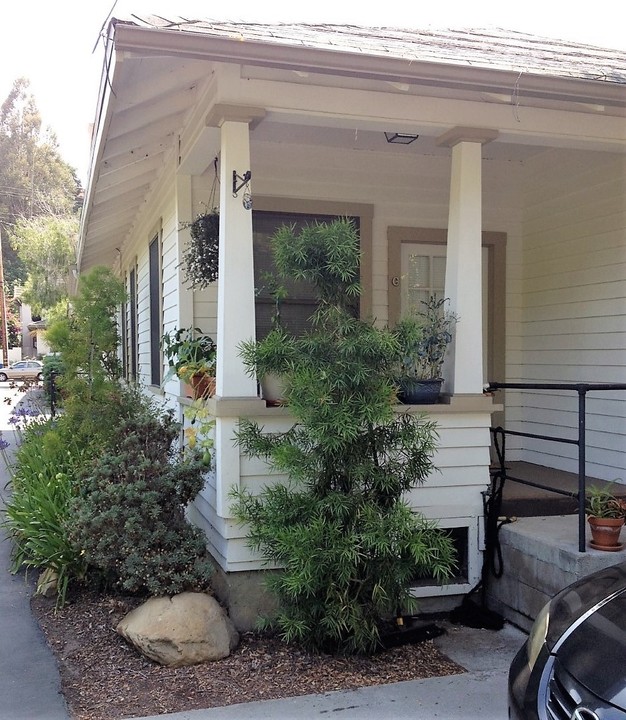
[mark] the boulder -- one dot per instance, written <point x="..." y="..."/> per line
<point x="181" y="630"/>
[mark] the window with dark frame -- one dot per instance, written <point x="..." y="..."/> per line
<point x="132" y="322"/>
<point x="154" y="272"/>
<point x="301" y="301"/>
<point x="124" y="338"/>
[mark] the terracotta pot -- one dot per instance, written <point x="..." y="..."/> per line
<point x="203" y="386"/>
<point x="605" y="533"/>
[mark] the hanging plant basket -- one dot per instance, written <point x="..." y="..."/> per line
<point x="201" y="257"/>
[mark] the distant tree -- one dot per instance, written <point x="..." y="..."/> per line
<point x="34" y="180"/>
<point x="14" y="329"/>
<point x="46" y="245"/>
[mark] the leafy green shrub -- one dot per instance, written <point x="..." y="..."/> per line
<point x="52" y="369"/>
<point x="347" y="541"/>
<point x="38" y="510"/>
<point x="129" y="515"/>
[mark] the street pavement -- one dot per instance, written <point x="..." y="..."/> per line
<point x="30" y="686"/>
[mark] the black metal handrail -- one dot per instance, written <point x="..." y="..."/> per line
<point x="582" y="389"/>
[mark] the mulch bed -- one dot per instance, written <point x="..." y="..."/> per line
<point x="104" y="678"/>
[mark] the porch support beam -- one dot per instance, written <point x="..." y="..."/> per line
<point x="235" y="298"/>
<point x="235" y="302"/>
<point x="463" y="283"/>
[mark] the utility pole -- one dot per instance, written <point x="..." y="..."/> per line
<point x="3" y="311"/>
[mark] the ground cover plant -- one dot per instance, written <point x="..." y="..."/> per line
<point x="348" y="542"/>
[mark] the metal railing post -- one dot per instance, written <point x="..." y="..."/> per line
<point x="582" y="469"/>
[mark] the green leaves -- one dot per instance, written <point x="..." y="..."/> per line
<point x="348" y="545"/>
<point x="38" y="511"/>
<point x="129" y="516"/>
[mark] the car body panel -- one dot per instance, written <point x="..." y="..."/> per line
<point x="569" y="679"/>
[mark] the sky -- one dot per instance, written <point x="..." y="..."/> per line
<point x="56" y="44"/>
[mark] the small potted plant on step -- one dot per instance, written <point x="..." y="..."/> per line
<point x="424" y="338"/>
<point x="605" y="515"/>
<point x="191" y="356"/>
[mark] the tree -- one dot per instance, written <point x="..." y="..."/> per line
<point x="47" y="247"/>
<point x="347" y="540"/>
<point x="34" y="180"/>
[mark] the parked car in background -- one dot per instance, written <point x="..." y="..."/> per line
<point x="573" y="665"/>
<point x="22" y="370"/>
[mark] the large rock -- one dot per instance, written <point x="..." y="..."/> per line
<point x="185" y="629"/>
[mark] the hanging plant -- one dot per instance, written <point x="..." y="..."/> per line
<point x="201" y="257"/>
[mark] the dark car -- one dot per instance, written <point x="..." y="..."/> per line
<point x="573" y="665"/>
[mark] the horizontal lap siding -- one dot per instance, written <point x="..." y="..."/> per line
<point x="452" y="493"/>
<point x="574" y="309"/>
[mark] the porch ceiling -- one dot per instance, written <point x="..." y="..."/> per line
<point x="148" y="100"/>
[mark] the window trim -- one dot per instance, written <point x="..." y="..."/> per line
<point x="495" y="242"/>
<point x="133" y="340"/>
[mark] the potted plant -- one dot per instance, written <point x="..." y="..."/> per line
<point x="201" y="256"/>
<point x="275" y="344"/>
<point x="191" y="356"/>
<point x="424" y="338"/>
<point x="605" y="515"/>
<point x="272" y="383"/>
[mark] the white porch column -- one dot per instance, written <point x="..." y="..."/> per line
<point x="235" y="298"/>
<point x="464" y="258"/>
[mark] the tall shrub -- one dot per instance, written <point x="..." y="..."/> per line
<point x="87" y="339"/>
<point x="129" y="517"/>
<point x="348" y="543"/>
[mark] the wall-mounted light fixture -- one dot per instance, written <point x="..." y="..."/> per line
<point x="400" y="138"/>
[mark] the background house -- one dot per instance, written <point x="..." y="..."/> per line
<point x="489" y="166"/>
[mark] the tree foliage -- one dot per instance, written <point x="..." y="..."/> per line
<point x="348" y="542"/>
<point x="88" y="339"/>
<point x="34" y="179"/>
<point x="47" y="247"/>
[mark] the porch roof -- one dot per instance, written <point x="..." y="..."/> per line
<point x="156" y="70"/>
<point x="476" y="47"/>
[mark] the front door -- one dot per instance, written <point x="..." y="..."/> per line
<point x="416" y="258"/>
<point x="423" y="273"/>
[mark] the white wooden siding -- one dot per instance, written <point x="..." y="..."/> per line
<point x="574" y="307"/>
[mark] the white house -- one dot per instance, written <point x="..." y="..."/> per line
<point x="488" y="165"/>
